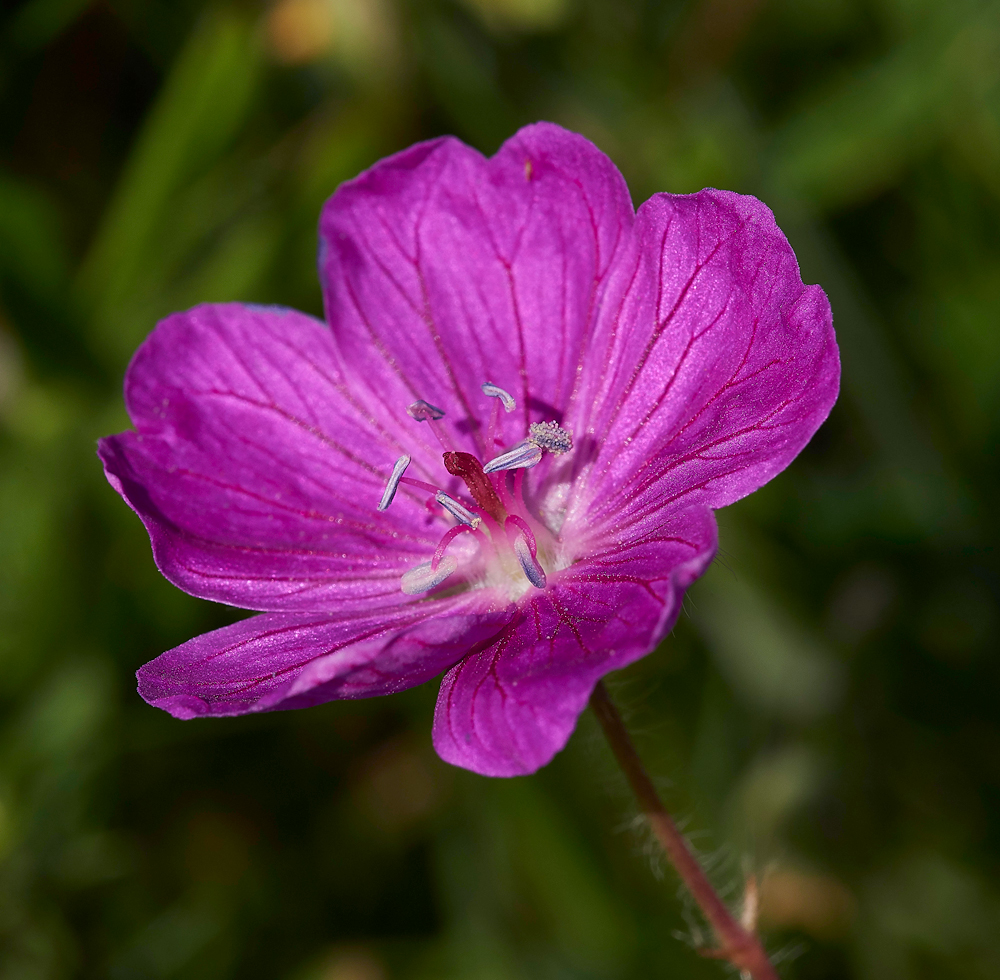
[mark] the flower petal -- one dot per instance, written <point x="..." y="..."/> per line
<point x="443" y="270"/>
<point x="714" y="367"/>
<point x="255" y="472"/>
<point x="512" y="703"/>
<point x="276" y="661"/>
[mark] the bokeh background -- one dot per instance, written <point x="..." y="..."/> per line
<point x="825" y="712"/>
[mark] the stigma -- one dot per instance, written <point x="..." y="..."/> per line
<point x="513" y="545"/>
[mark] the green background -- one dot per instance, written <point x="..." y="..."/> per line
<point x="825" y="712"/>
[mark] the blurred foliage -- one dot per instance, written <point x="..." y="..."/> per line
<point x="823" y="715"/>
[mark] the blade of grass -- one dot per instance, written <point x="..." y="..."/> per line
<point x="204" y="103"/>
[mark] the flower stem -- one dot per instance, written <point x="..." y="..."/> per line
<point x="737" y="944"/>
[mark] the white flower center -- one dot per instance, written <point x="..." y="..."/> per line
<point x="513" y="547"/>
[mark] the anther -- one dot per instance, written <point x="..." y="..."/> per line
<point x="550" y="436"/>
<point x="522" y="540"/>
<point x="525" y="454"/>
<point x="495" y="391"/>
<point x="424" y="411"/>
<point x="533" y="572"/>
<point x="461" y="513"/>
<point x="424" y="577"/>
<point x="390" y="488"/>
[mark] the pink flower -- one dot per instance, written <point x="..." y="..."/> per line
<point x="556" y="391"/>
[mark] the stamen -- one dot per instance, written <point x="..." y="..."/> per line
<point x="533" y="572"/>
<point x="550" y="436"/>
<point x="519" y="485"/>
<point x="524" y="528"/>
<point x="495" y="391"/>
<point x="461" y="513"/>
<point x="419" y="484"/>
<point x="503" y="491"/>
<point x="424" y="411"/>
<point x="492" y="428"/>
<point x="450" y="536"/>
<point x="525" y="454"/>
<point x="390" y="488"/>
<point x="424" y="577"/>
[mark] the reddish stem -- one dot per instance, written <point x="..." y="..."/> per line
<point x="738" y="945"/>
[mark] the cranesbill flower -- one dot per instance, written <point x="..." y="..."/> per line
<point x="498" y="458"/>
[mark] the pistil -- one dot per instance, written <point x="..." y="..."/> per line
<point x="470" y="471"/>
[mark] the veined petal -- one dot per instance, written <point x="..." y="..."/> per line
<point x="512" y="703"/>
<point x="276" y="661"/>
<point x="443" y="270"/>
<point x="713" y="366"/>
<point x="256" y="473"/>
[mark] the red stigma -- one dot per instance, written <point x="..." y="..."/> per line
<point x="470" y="471"/>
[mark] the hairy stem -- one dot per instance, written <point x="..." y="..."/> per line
<point x="737" y="944"/>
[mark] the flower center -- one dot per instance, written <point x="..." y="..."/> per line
<point x="514" y="545"/>
<point x="470" y="471"/>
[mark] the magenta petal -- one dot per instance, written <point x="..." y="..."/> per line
<point x="278" y="661"/>
<point x="511" y="704"/>
<point x="718" y="365"/>
<point x="444" y="270"/>
<point x="254" y="472"/>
